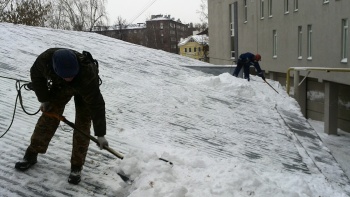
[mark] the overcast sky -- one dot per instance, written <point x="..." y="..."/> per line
<point x="185" y="10"/>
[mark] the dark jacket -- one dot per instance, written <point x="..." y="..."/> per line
<point x="85" y="84"/>
<point x="247" y="59"/>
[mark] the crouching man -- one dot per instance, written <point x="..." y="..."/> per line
<point x="58" y="75"/>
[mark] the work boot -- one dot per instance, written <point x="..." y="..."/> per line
<point x="75" y="175"/>
<point x="28" y="161"/>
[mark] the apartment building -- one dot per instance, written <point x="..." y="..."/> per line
<point x="160" y="32"/>
<point x="291" y="33"/>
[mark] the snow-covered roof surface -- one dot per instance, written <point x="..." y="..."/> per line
<point x="200" y="39"/>
<point x="224" y="135"/>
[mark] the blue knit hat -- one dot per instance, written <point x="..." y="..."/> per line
<point x="65" y="63"/>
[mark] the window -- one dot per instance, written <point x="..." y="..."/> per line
<point x="296" y="5"/>
<point x="245" y="11"/>
<point x="232" y="22"/>
<point x="232" y="27"/>
<point x="269" y="4"/>
<point x="199" y="49"/>
<point x="262" y="9"/>
<point x="194" y="49"/>
<point x="300" y="42"/>
<point x="309" y="42"/>
<point x="274" y="43"/>
<point x="286" y="6"/>
<point x="344" y="47"/>
<point x="161" y="25"/>
<point x="189" y="50"/>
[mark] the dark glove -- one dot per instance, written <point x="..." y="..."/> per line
<point x="261" y="74"/>
<point x="45" y="106"/>
<point x="28" y="86"/>
<point x="102" y="142"/>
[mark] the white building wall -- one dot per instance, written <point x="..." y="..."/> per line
<point x="255" y="35"/>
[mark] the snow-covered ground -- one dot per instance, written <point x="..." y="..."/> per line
<point x="338" y="144"/>
<point x="225" y="136"/>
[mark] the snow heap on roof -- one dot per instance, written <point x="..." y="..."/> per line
<point x="118" y="27"/>
<point x="200" y="39"/>
<point x="160" y="17"/>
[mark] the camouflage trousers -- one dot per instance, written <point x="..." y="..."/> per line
<point x="47" y="126"/>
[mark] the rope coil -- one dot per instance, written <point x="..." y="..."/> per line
<point x="19" y="86"/>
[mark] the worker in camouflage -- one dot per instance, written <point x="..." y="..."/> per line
<point x="58" y="75"/>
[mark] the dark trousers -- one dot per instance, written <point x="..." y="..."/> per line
<point x="47" y="126"/>
<point x="246" y="68"/>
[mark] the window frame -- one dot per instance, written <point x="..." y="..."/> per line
<point x="274" y="43"/>
<point x="344" y="40"/>
<point x="232" y="30"/>
<point x="309" y="42"/>
<point x="286" y="6"/>
<point x="262" y="6"/>
<point x="296" y="5"/>
<point x="269" y="8"/>
<point x="300" y="42"/>
<point x="245" y="11"/>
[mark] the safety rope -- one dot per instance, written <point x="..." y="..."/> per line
<point x="27" y="86"/>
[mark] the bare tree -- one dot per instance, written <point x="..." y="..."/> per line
<point x="97" y="12"/>
<point x="78" y="15"/>
<point x="203" y="11"/>
<point x="3" y="5"/>
<point x="119" y="25"/>
<point x="27" y="12"/>
<point x="73" y="10"/>
<point x="201" y="26"/>
<point x="57" y="18"/>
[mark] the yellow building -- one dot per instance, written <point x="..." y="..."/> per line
<point x="196" y="46"/>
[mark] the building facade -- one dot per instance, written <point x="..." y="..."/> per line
<point x="290" y="33"/>
<point x="196" y="47"/>
<point x="160" y="32"/>
<point x="165" y="33"/>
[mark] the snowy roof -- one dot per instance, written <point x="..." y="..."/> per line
<point x="160" y="19"/>
<point x="200" y="39"/>
<point x="224" y="135"/>
<point x="116" y="27"/>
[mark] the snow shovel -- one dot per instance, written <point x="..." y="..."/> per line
<point x="271" y="86"/>
<point x="63" y="119"/>
<point x="123" y="176"/>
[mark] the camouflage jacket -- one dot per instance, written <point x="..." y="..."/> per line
<point x="85" y="84"/>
